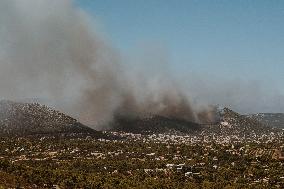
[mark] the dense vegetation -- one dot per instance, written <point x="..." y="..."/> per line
<point x="153" y="161"/>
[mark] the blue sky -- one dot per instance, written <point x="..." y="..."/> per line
<point x="240" y="39"/>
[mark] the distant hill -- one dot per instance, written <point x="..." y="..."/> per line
<point x="233" y="123"/>
<point x="230" y="123"/>
<point x="153" y="124"/>
<point x="21" y="119"/>
<point x="25" y="119"/>
<point x="270" y="119"/>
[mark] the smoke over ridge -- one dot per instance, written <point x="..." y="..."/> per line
<point x="49" y="50"/>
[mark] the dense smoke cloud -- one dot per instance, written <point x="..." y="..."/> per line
<point x="48" y="50"/>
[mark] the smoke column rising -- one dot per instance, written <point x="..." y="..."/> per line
<point x="49" y="50"/>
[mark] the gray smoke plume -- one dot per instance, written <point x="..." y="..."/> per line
<point x="49" y="50"/>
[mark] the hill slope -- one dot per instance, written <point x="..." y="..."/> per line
<point x="270" y="119"/>
<point x="154" y="124"/>
<point x="233" y="123"/>
<point x="22" y="119"/>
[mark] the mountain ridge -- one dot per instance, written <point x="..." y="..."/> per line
<point x="229" y="123"/>
<point x="22" y="119"/>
